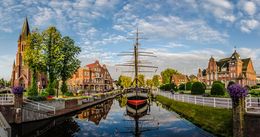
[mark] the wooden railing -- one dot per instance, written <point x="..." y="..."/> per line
<point x="6" y="99"/>
<point x="40" y="106"/>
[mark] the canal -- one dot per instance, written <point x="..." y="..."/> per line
<point x="114" y="118"/>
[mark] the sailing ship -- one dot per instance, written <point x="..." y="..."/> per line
<point x="137" y="95"/>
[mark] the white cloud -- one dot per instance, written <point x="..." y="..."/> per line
<point x="174" y="45"/>
<point x="250" y="7"/>
<point x="174" y="27"/>
<point x="248" y="25"/>
<point x="221" y="9"/>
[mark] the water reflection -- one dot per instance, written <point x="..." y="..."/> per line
<point x="140" y="124"/>
<point x="115" y="118"/>
<point x="96" y="113"/>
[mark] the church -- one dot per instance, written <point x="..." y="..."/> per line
<point x="21" y="74"/>
<point x="229" y="69"/>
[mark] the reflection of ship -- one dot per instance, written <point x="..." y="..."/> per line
<point x="139" y="117"/>
<point x="135" y="95"/>
<point x="96" y="113"/>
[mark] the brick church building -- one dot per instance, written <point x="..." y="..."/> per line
<point x="21" y="74"/>
<point x="229" y="69"/>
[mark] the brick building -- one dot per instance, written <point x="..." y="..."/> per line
<point x="229" y="69"/>
<point x="178" y="79"/>
<point x="21" y="74"/>
<point x="92" y="77"/>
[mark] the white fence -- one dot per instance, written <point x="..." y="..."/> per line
<point x="205" y="101"/>
<point x="39" y="106"/>
<point x="252" y="104"/>
<point x="6" y="99"/>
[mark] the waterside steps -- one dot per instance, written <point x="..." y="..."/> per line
<point x="33" y="110"/>
<point x="5" y="129"/>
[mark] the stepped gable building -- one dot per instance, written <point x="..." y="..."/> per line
<point x="92" y="77"/>
<point x="21" y="74"/>
<point x="229" y="69"/>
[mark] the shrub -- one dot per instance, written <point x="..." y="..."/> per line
<point x="68" y="94"/>
<point x="32" y="91"/>
<point x="44" y="94"/>
<point x="50" y="89"/>
<point x="215" y="82"/>
<point x="37" y="98"/>
<point x="217" y="89"/>
<point x="189" y="85"/>
<point x="197" y="88"/>
<point x="182" y="87"/>
<point x="64" y="88"/>
<point x="255" y="87"/>
<point x="168" y="87"/>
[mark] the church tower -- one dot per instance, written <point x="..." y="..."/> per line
<point x="21" y="73"/>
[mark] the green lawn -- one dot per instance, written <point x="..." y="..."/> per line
<point x="215" y="120"/>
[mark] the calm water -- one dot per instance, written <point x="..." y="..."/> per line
<point x="116" y="118"/>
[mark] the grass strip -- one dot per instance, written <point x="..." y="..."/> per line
<point x="215" y="120"/>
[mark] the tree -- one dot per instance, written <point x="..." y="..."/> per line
<point x="167" y="75"/>
<point x="197" y="88"/>
<point x="156" y="81"/>
<point x="124" y="81"/>
<point x="217" y="89"/>
<point x="69" y="62"/>
<point x="33" y="57"/>
<point x="141" y="82"/>
<point x="52" y="44"/>
<point x="149" y="83"/>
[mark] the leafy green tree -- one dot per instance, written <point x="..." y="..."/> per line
<point x="52" y="44"/>
<point x="156" y="81"/>
<point x="4" y="83"/>
<point x="141" y="81"/>
<point x="167" y="75"/>
<point x="149" y="83"/>
<point x="33" y="57"/>
<point x="124" y="81"/>
<point x="69" y="62"/>
<point x="197" y="88"/>
<point x="217" y="89"/>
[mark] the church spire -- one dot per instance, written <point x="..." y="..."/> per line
<point x="25" y="30"/>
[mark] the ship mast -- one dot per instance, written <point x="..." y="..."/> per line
<point x="137" y="63"/>
<point x="136" y="57"/>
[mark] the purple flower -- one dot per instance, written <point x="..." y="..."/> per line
<point x="17" y="90"/>
<point x="236" y="91"/>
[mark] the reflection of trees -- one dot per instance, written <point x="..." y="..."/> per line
<point x="122" y="100"/>
<point x="67" y="128"/>
<point x="97" y="112"/>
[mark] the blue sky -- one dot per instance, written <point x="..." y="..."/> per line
<point x="182" y="33"/>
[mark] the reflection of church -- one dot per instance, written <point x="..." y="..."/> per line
<point x="21" y="74"/>
<point x="96" y="113"/>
